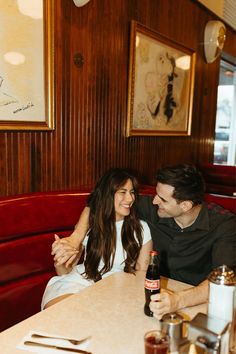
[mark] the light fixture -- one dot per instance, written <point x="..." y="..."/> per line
<point x="214" y="38"/>
<point x="80" y="3"/>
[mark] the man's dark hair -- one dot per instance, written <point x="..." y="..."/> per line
<point x="187" y="181"/>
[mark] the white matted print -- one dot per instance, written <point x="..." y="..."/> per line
<point x="161" y="82"/>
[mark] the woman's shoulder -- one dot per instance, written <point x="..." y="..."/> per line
<point x="146" y="231"/>
<point x="144" y="224"/>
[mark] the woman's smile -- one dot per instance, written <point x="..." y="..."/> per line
<point x="123" y="200"/>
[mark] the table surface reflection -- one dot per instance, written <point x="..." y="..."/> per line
<point x="111" y="311"/>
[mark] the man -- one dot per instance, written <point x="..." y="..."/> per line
<point x="192" y="237"/>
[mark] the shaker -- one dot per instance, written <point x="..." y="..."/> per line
<point x="222" y="297"/>
<point x="172" y="324"/>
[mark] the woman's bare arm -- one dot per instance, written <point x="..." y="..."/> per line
<point x="67" y="251"/>
<point x="144" y="256"/>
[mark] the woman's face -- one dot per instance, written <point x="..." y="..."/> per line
<point x="123" y="200"/>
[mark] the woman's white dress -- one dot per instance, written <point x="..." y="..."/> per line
<point x="74" y="281"/>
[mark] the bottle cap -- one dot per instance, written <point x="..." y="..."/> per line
<point x="153" y="253"/>
<point x="223" y="275"/>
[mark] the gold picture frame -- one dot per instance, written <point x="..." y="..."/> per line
<point x="161" y="85"/>
<point x="27" y="65"/>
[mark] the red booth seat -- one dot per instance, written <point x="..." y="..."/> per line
<point x="225" y="201"/>
<point x="220" y="179"/>
<point x="28" y="224"/>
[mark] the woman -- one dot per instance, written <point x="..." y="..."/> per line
<point x="117" y="240"/>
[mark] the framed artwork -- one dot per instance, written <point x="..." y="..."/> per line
<point x="26" y="65"/>
<point x="161" y="84"/>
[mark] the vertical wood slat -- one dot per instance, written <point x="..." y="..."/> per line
<point x="91" y="101"/>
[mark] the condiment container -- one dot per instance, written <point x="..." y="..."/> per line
<point x="222" y="297"/>
<point x="172" y="324"/>
<point x="210" y="333"/>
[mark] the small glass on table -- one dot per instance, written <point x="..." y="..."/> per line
<point x="156" y="342"/>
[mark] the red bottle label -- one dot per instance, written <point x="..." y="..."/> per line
<point x="152" y="284"/>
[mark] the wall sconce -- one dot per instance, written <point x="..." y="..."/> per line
<point x="214" y="39"/>
<point x="80" y="3"/>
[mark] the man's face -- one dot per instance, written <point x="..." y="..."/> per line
<point x="167" y="205"/>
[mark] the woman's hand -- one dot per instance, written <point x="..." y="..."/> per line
<point x="65" y="253"/>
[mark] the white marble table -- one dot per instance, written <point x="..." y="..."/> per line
<point x="111" y="311"/>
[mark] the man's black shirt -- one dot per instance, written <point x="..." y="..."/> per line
<point x="190" y="254"/>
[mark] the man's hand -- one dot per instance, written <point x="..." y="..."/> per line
<point x="65" y="253"/>
<point x="163" y="303"/>
<point x="168" y="301"/>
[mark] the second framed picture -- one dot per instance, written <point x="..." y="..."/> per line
<point x="161" y="85"/>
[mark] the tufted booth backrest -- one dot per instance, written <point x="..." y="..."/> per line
<point x="220" y="179"/>
<point x="27" y="227"/>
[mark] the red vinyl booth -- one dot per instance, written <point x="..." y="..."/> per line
<point x="28" y="224"/>
<point x="220" y="179"/>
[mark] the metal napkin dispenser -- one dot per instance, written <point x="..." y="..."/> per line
<point x="210" y="332"/>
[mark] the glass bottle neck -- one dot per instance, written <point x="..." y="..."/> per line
<point x="153" y="260"/>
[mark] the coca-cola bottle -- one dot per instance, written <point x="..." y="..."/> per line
<point x="152" y="281"/>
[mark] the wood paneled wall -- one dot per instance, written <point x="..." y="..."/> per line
<point x="91" y="102"/>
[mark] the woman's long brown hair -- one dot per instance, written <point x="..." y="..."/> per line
<point x="102" y="229"/>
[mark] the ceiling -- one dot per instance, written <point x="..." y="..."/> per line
<point x="225" y="9"/>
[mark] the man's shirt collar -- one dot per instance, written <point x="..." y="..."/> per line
<point x="201" y="223"/>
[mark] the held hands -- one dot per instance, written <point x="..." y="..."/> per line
<point x="163" y="303"/>
<point x="65" y="254"/>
